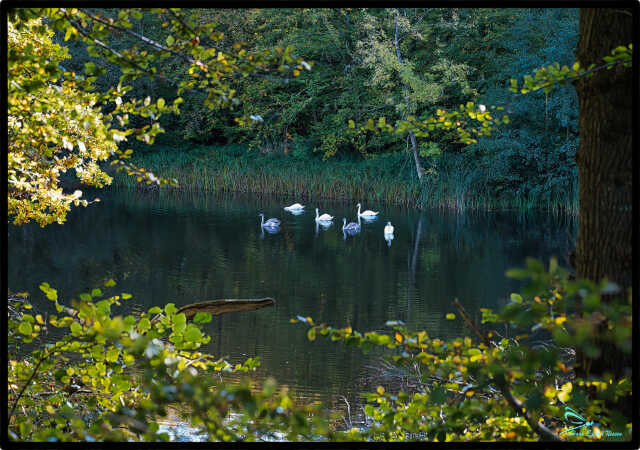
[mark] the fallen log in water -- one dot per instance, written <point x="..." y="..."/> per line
<point x="213" y="307"/>
<point x="217" y="307"/>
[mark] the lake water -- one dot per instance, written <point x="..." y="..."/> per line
<point x="186" y="248"/>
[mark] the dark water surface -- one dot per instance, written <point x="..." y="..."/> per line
<point x="185" y="248"/>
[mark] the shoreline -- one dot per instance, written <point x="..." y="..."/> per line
<point x="231" y="169"/>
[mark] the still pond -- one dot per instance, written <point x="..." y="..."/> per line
<point x="184" y="248"/>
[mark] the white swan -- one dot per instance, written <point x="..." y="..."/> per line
<point x="294" y="207"/>
<point x="367" y="213"/>
<point x="323" y="218"/>
<point x="388" y="229"/>
<point x="271" y="223"/>
<point x="351" y="227"/>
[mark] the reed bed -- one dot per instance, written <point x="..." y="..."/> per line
<point x="232" y="169"/>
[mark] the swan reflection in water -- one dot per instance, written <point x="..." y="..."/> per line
<point x="388" y="238"/>
<point x="296" y="212"/>
<point x="270" y="230"/>
<point x="324" y="225"/>
<point x="368" y="219"/>
<point x="346" y="233"/>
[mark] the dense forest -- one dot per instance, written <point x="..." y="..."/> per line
<point x="447" y="57"/>
<point x="456" y="110"/>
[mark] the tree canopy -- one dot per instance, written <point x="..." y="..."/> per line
<point x="59" y="121"/>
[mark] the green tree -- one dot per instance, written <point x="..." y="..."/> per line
<point x="54" y="126"/>
<point x="91" y="123"/>
<point x="534" y="157"/>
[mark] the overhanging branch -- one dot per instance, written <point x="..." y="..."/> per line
<point x="516" y="404"/>
<point x="142" y="38"/>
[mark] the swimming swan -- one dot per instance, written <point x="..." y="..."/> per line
<point x="352" y="226"/>
<point x="388" y="229"/>
<point x="294" y="207"/>
<point x="271" y="223"/>
<point x="367" y="213"/>
<point x="323" y="218"/>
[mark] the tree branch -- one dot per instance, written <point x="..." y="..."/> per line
<point x="144" y="39"/>
<point x="24" y="387"/>
<point x="516" y="404"/>
<point x="43" y="357"/>
<point x="184" y="25"/>
<point x="114" y="52"/>
<point x="608" y="65"/>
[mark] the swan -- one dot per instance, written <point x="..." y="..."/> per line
<point x="323" y="218"/>
<point x="351" y="227"/>
<point x="294" y="207"/>
<point x="367" y="213"/>
<point x="388" y="229"/>
<point x="271" y="223"/>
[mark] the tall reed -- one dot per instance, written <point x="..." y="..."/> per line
<point x="232" y="169"/>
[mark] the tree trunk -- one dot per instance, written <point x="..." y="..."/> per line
<point x="416" y="157"/>
<point x="604" y="155"/>
<point x="604" y="160"/>
<point x="414" y="145"/>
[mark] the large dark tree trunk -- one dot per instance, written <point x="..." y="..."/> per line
<point x="604" y="159"/>
<point x="604" y="155"/>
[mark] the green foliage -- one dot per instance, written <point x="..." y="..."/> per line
<point x="357" y="78"/>
<point x="59" y="121"/>
<point x="449" y="57"/>
<point x="356" y="73"/>
<point x="497" y="387"/>
<point x="532" y="161"/>
<point x="546" y="78"/>
<point x="53" y="127"/>
<point x="108" y="377"/>
<point x="467" y="121"/>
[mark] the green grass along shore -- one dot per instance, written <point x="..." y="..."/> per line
<point x="390" y="178"/>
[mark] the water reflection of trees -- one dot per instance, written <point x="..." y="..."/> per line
<point x="187" y="248"/>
